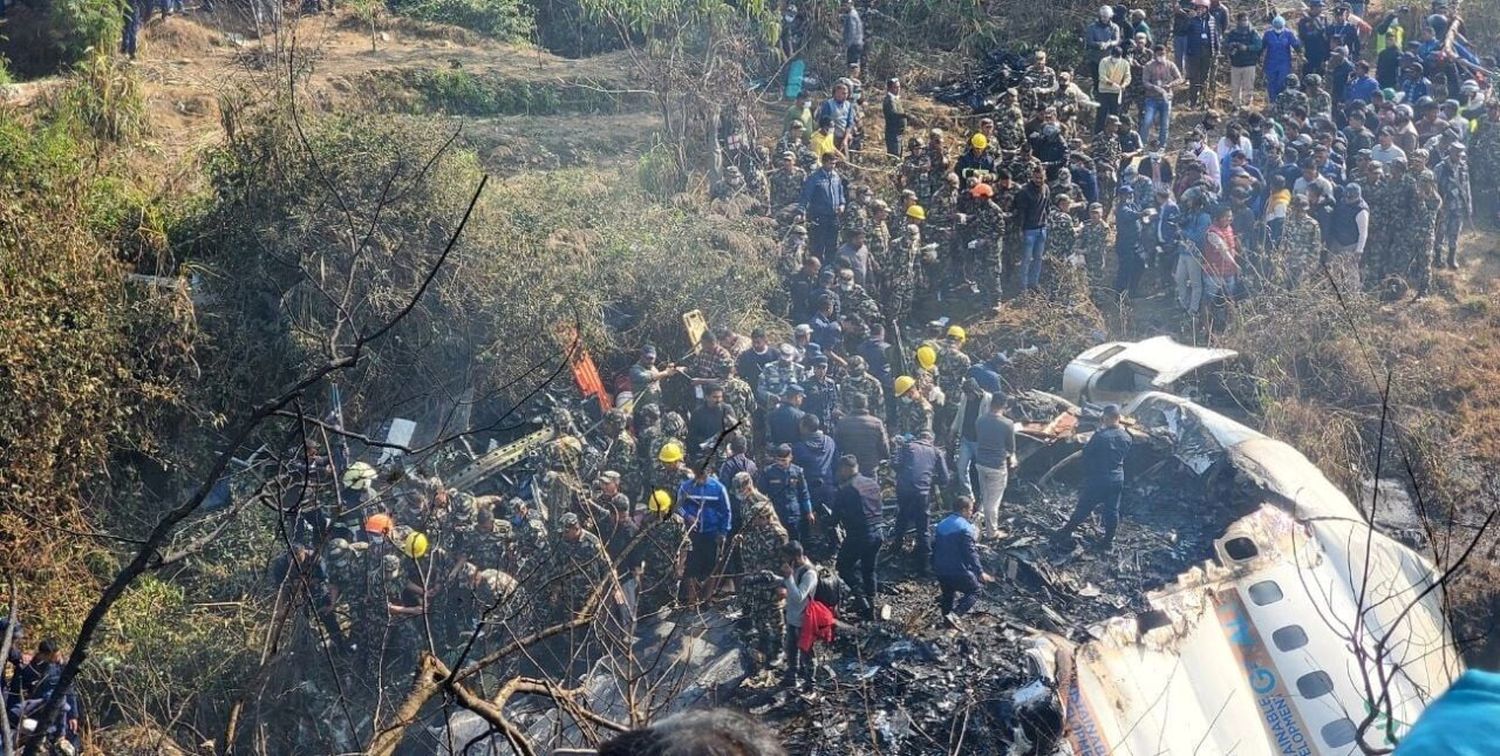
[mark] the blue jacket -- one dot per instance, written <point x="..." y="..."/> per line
<point x="875" y="359"/>
<point x="822" y="193"/>
<point x="1362" y="89"/>
<point x="1278" y="47"/>
<point x="954" y="549"/>
<point x="787" y="490"/>
<point x="706" y="504"/>
<point x="1104" y="456"/>
<point x="816" y="455"/>
<point x="842" y="115"/>
<point x="784" y="424"/>
<point x="1460" y="722"/>
<point x="918" y="466"/>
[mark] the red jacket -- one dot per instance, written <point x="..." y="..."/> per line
<point x="817" y="625"/>
<point x="1219" y="253"/>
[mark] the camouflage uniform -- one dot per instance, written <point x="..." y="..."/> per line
<point x="665" y="540"/>
<point x="620" y="455"/>
<point x="1289" y="99"/>
<point x="1062" y="234"/>
<point x="857" y="301"/>
<point x="822" y="397"/>
<point x="986" y="227"/>
<point x="786" y="186"/>
<point x="1386" y="201"/>
<point x="1319" y="103"/>
<point x="1010" y="129"/>
<point x="1093" y="243"/>
<point x="1298" y="251"/>
<point x="855" y="217"/>
<point x="878" y="241"/>
<point x="904" y="277"/>
<point x="953" y="366"/>
<point x="1484" y="176"/>
<point x="1418" y="235"/>
<point x="861" y="383"/>
<point x="777" y="376"/>
<point x="760" y="545"/>
<point x="915" y="172"/>
<point x="741" y="401"/>
<point x="914" y="416"/>
<point x="578" y="566"/>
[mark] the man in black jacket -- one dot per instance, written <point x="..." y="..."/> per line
<point x="857" y="507"/>
<point x="862" y="435"/>
<point x="895" y="117"/>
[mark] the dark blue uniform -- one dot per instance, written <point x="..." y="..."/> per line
<point x="919" y="465"/>
<point x="1103" y="464"/>
<point x="786" y="487"/>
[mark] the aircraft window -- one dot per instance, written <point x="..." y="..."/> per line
<point x="1240" y="549"/>
<point x="1340" y="733"/>
<point x="1265" y="592"/>
<point x="1314" y="684"/>
<point x="1289" y="638"/>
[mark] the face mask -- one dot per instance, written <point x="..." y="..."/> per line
<point x="906" y="400"/>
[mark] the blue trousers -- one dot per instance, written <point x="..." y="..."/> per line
<point x="1159" y="113"/>
<point x="1276" y="80"/>
<point x="1033" y="245"/>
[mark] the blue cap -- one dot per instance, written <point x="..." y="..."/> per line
<point x="794" y="389"/>
<point x="985" y="378"/>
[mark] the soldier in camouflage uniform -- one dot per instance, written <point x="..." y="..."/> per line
<point x="1301" y="244"/>
<point x="915" y="168"/>
<point x="760" y="542"/>
<point x="786" y="182"/>
<point x="940" y="226"/>
<point x="493" y="544"/>
<point x="1010" y="124"/>
<point x="856" y="299"/>
<point x="1385" y="196"/>
<point x="793" y="251"/>
<point x="666" y="544"/>
<point x="1062" y="230"/>
<point x="578" y="564"/>
<point x="1452" y="177"/>
<point x="905" y="276"/>
<point x="740" y="399"/>
<point x="1484" y="179"/>
<point x="1319" y="101"/>
<point x="530" y="541"/>
<point x="856" y="212"/>
<point x="820" y="393"/>
<point x="939" y="165"/>
<point x="778" y="375"/>
<point x="953" y="365"/>
<point x="647" y="433"/>
<point x="986" y="225"/>
<point x="1419" y="232"/>
<point x="914" y="413"/>
<point x="859" y="382"/>
<point x="619" y="453"/>
<point x="1290" y="98"/>
<point x="1093" y="242"/>
<point x="757" y="184"/>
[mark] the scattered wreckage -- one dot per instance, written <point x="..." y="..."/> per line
<point x="1248" y="607"/>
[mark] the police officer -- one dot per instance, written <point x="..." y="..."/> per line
<point x="786" y="486"/>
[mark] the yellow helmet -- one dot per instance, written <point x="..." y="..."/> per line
<point x="926" y="357"/>
<point x="904" y="384"/>
<point x="916" y="212"/>
<point x="671" y="452"/>
<point x="414" y="545"/>
<point x="661" y="502"/>
<point x="957" y="333"/>
<point x="979" y="142"/>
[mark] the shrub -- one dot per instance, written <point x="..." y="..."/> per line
<point x="508" y="20"/>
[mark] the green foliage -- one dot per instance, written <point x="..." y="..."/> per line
<point x="508" y="20"/>
<point x="541" y="253"/>
<point x="80" y="27"/>
<point x="459" y="91"/>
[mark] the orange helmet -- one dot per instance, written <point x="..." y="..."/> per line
<point x="982" y="190"/>
<point x="379" y="522"/>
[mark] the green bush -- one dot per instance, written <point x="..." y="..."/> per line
<point x="508" y="20"/>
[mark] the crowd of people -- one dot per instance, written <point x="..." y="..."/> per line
<point x="1347" y="168"/>
<point x="31" y="675"/>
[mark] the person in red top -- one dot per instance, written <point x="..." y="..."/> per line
<point x="1221" y="269"/>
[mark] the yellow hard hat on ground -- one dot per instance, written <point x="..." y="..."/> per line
<point x="661" y="502"/>
<point x="926" y="357"/>
<point x="904" y="384"/>
<point x="979" y="141"/>
<point x="672" y="452"/>
<point x="916" y="212"/>
<point x="415" y="545"/>
<point x="957" y="332"/>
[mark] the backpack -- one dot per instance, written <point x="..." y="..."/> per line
<point x="831" y="589"/>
